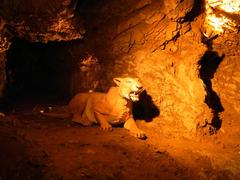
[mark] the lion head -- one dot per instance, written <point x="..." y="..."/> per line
<point x="130" y="88"/>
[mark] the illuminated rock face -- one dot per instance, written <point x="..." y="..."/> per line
<point x="158" y="41"/>
<point x="226" y="81"/>
<point x="221" y="15"/>
<point x="155" y="42"/>
<point x="41" y="21"/>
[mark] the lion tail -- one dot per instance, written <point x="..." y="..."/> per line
<point x="63" y="114"/>
<point x="57" y="115"/>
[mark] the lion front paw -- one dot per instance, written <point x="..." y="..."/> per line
<point x="106" y="127"/>
<point x="140" y="134"/>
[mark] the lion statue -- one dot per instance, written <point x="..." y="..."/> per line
<point x="107" y="109"/>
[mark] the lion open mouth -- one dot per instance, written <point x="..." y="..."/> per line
<point x="134" y="95"/>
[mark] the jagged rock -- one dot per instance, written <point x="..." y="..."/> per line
<point x="226" y="81"/>
<point x="35" y="21"/>
<point x="42" y="21"/>
<point x="145" y="42"/>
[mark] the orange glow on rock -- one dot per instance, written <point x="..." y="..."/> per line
<point x="217" y="21"/>
<point x="231" y="6"/>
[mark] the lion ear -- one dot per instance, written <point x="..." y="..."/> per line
<point x="117" y="81"/>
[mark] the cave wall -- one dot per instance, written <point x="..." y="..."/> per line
<point x="2" y="73"/>
<point x="41" y="21"/>
<point x="227" y="78"/>
<point x="161" y="42"/>
<point x="4" y="45"/>
<point x="36" y="21"/>
<point x="158" y="42"/>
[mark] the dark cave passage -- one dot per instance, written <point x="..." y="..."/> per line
<point x="37" y="71"/>
<point x="209" y="64"/>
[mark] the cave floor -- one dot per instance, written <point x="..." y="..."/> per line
<point x="37" y="147"/>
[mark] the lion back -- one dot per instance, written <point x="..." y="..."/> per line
<point x="78" y="102"/>
<point x="81" y="101"/>
<point x="110" y="104"/>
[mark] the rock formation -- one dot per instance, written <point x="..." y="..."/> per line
<point x="161" y="42"/>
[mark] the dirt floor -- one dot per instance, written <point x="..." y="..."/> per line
<point x="38" y="147"/>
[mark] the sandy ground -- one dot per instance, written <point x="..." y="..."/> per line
<point x="38" y="147"/>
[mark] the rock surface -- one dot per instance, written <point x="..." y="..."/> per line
<point x="154" y="41"/>
<point x="227" y="78"/>
<point x="42" y="21"/>
<point x="36" y="21"/>
<point x="158" y="41"/>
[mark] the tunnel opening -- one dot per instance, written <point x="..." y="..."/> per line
<point x="209" y="64"/>
<point x="38" y="72"/>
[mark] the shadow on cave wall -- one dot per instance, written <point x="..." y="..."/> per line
<point x="198" y="8"/>
<point x="209" y="64"/>
<point x="145" y="108"/>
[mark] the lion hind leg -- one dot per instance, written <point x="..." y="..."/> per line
<point x="82" y="119"/>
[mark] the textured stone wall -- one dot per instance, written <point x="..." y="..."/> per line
<point x="37" y="21"/>
<point x="42" y="21"/>
<point x="4" y="45"/>
<point x="157" y="42"/>
<point x="226" y="81"/>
